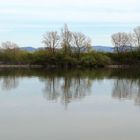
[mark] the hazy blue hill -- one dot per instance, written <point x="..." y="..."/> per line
<point x="96" y="48"/>
<point x="28" y="48"/>
<point x="103" y="48"/>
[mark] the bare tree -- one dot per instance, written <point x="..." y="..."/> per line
<point x="51" y="41"/>
<point x="122" y="42"/>
<point x="137" y="36"/>
<point x="80" y="42"/>
<point x="10" y="48"/>
<point x="9" y="45"/>
<point x="66" y="36"/>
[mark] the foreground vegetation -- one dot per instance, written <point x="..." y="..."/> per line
<point x="44" y="58"/>
<point x="88" y="59"/>
<point x="73" y="49"/>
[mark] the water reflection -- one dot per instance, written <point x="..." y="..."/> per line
<point x="10" y="82"/>
<point x="68" y="86"/>
<point x="66" y="89"/>
<point x="127" y="89"/>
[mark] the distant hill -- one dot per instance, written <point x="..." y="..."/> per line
<point x="96" y="48"/>
<point x="28" y="48"/>
<point x="103" y="48"/>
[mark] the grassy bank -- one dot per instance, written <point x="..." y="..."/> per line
<point x="59" y="59"/>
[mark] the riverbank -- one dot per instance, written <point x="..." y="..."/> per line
<point x="57" y="68"/>
<point x="121" y="66"/>
<point x="21" y="66"/>
<point x="60" y="60"/>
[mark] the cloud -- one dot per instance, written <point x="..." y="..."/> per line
<point x="70" y="16"/>
<point x="71" y="11"/>
<point x="35" y="16"/>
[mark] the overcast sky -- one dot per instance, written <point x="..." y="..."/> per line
<point x="24" y="21"/>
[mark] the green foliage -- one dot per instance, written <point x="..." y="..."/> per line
<point x="60" y="59"/>
<point x="127" y="58"/>
<point x="14" y="56"/>
<point x="39" y="57"/>
<point x="95" y="59"/>
<point x="88" y="60"/>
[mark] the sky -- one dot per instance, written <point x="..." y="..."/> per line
<point x="25" y="21"/>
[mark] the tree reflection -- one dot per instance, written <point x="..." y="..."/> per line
<point x="66" y="86"/>
<point x="51" y="90"/>
<point x="75" y="88"/>
<point x="66" y="89"/>
<point x="9" y="82"/>
<point x="127" y="89"/>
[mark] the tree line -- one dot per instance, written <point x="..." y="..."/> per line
<point x="67" y="49"/>
<point x="68" y="41"/>
<point x="63" y="49"/>
<point x="124" y="42"/>
<point x="126" y="47"/>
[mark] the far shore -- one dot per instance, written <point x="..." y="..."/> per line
<point x="20" y="66"/>
<point x="120" y="66"/>
<point x="42" y="66"/>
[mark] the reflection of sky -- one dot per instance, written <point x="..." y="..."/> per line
<point x="25" y="114"/>
<point x="25" y="21"/>
<point x="102" y="87"/>
<point x="25" y="93"/>
<point x="30" y="91"/>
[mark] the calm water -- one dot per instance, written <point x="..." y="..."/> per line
<point x="70" y="105"/>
